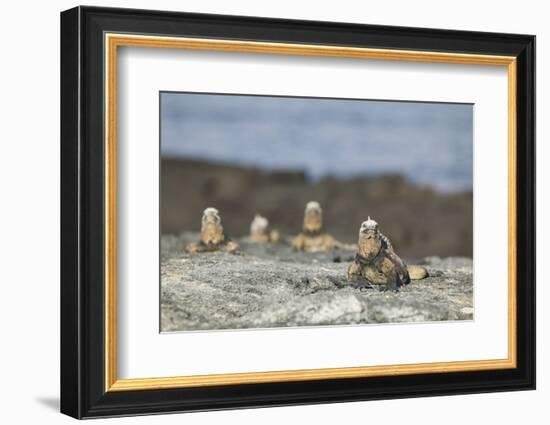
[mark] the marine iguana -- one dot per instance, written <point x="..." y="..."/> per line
<point x="260" y="231"/>
<point x="212" y="235"/>
<point x="312" y="239"/>
<point x="376" y="263"/>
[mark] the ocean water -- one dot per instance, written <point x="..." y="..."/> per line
<point x="429" y="143"/>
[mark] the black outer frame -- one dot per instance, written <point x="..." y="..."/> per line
<point x="82" y="218"/>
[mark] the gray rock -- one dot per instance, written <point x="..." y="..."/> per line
<point x="270" y="285"/>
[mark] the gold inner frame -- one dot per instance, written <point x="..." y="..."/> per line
<point x="113" y="41"/>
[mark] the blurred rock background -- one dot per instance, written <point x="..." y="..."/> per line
<point x="419" y="220"/>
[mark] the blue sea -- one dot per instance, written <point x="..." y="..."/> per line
<point x="429" y="143"/>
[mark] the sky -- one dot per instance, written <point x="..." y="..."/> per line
<point x="428" y="143"/>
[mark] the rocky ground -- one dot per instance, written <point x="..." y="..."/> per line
<point x="272" y="286"/>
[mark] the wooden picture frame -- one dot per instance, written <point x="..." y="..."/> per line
<point x="90" y="38"/>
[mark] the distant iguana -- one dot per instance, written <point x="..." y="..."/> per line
<point x="212" y="236"/>
<point x="376" y="263"/>
<point x="260" y="231"/>
<point x="312" y="239"/>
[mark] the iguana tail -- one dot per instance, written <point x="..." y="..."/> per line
<point x="417" y="272"/>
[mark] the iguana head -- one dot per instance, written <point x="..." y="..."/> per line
<point x="313" y="217"/>
<point x="370" y="241"/>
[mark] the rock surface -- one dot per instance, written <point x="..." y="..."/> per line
<point x="273" y="286"/>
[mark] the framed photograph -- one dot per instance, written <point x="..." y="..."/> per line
<point x="261" y="212"/>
